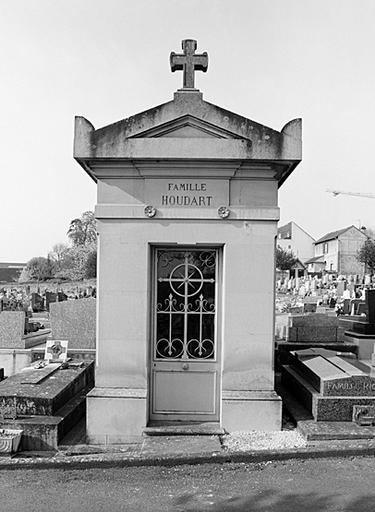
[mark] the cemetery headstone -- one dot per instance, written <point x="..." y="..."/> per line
<point x="12" y="329"/>
<point x="314" y="328"/>
<point x="75" y="321"/>
<point x="309" y="307"/>
<point x="37" y="302"/>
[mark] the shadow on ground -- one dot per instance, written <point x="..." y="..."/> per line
<point x="273" y="501"/>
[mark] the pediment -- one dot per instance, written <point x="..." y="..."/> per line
<point x="188" y="127"/>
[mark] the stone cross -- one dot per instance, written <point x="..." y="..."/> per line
<point x="188" y="62"/>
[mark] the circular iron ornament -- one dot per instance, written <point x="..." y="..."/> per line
<point x="193" y="278"/>
<point x="150" y="211"/>
<point x="223" y="212"/>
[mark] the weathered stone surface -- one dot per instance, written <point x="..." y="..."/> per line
<point x="309" y="307"/>
<point x="316" y="334"/>
<point x="75" y="321"/>
<point x="316" y="319"/>
<point x="47" y="396"/>
<point x="46" y="432"/>
<point x="315" y="328"/>
<point x="337" y="409"/>
<point x="189" y="62"/>
<point x="12" y="328"/>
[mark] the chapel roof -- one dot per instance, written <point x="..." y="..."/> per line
<point x="189" y="128"/>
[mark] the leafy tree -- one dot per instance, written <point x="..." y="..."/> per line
<point x="284" y="259"/>
<point x="40" y="268"/>
<point x="90" y="266"/>
<point x="366" y="254"/>
<point x="58" y="255"/>
<point x="24" y="276"/>
<point x="82" y="231"/>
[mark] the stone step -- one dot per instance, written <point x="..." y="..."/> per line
<point x="184" y="429"/>
<point x="44" y="433"/>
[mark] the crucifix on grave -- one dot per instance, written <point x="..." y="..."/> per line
<point x="189" y="62"/>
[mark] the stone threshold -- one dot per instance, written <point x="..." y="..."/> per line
<point x="183" y="429"/>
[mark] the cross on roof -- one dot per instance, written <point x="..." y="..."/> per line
<point x="189" y="62"/>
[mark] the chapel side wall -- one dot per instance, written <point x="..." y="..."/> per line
<point x="249" y="309"/>
<point x="124" y="297"/>
<point x="122" y="307"/>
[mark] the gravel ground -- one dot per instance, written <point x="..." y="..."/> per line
<point x="249" y="441"/>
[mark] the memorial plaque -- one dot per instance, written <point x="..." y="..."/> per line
<point x="364" y="415"/>
<point x="187" y="193"/>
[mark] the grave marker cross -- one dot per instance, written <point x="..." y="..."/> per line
<point x="189" y="62"/>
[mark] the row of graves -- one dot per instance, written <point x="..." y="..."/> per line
<point x="327" y="366"/>
<point x="44" y="383"/>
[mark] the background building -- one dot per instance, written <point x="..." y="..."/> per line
<point x="339" y="249"/>
<point x="10" y="272"/>
<point x="292" y="237"/>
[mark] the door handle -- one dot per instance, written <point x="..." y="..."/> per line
<point x="185" y="366"/>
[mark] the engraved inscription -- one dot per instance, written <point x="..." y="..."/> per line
<point x="175" y="195"/>
<point x="186" y="193"/>
<point x="358" y="387"/>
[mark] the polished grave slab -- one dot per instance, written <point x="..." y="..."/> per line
<point x="327" y="385"/>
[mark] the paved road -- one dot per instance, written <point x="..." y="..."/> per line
<point x="345" y="485"/>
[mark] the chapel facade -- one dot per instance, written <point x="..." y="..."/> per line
<point x="187" y="221"/>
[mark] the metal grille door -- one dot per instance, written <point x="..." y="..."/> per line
<point x="184" y="352"/>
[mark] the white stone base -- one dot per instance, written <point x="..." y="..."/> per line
<point x="365" y="343"/>
<point x="251" y="410"/>
<point x="115" y="415"/>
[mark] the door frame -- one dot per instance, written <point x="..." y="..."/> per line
<point x="153" y="247"/>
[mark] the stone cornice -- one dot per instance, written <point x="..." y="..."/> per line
<point x="112" y="211"/>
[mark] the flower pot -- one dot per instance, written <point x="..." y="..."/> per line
<point x="9" y="440"/>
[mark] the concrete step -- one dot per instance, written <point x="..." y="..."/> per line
<point x="183" y="429"/>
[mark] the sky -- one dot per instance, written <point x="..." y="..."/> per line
<point x="269" y="60"/>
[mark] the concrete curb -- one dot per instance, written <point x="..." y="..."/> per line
<point x="120" y="460"/>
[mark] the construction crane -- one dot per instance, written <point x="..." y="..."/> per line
<point x="359" y="194"/>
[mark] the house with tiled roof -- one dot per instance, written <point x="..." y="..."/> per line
<point x="337" y="252"/>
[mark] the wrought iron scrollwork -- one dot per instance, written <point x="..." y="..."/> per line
<point x="185" y="325"/>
